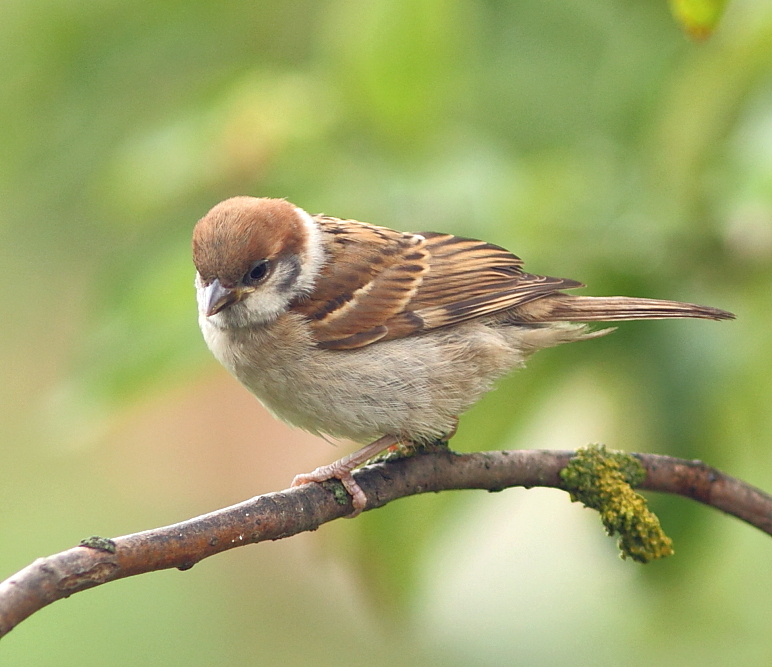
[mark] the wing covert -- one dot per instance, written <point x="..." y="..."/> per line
<point x="380" y="284"/>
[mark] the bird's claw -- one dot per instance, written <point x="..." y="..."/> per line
<point x="323" y="473"/>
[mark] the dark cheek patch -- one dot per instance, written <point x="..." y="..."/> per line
<point x="291" y="268"/>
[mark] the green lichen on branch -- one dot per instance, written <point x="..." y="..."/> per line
<point x="405" y="450"/>
<point x="603" y="481"/>
<point x="337" y="490"/>
<point x="99" y="543"/>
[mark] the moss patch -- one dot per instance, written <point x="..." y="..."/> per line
<point x="603" y="480"/>
<point x="99" y="543"/>
<point x="406" y="450"/>
<point x="338" y="491"/>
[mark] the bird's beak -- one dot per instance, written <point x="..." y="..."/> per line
<point x="217" y="297"/>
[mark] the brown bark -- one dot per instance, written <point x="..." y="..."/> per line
<point x="277" y="515"/>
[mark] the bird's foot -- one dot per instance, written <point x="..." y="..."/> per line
<point x="333" y="471"/>
<point x="341" y="470"/>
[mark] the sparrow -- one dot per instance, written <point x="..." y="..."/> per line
<point x="350" y="330"/>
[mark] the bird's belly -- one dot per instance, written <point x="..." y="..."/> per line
<point x="413" y="387"/>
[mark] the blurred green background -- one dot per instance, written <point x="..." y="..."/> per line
<point x="589" y="136"/>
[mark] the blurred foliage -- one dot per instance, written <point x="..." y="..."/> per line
<point x="698" y="17"/>
<point x="589" y="137"/>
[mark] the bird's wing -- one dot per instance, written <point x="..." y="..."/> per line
<point x="380" y="284"/>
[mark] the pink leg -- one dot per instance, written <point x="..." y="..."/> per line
<point x="342" y="468"/>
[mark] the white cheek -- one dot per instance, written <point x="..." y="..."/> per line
<point x="263" y="305"/>
<point x="259" y="307"/>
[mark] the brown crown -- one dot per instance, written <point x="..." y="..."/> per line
<point x="242" y="230"/>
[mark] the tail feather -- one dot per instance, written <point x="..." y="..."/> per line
<point x="566" y="308"/>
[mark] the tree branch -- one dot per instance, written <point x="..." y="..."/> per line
<point x="276" y="515"/>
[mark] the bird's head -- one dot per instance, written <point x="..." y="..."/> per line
<point x="253" y="257"/>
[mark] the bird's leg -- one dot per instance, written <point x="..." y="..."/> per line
<point x="446" y="438"/>
<point x="405" y="448"/>
<point x="341" y="469"/>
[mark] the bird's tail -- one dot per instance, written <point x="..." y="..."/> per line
<point x="566" y="308"/>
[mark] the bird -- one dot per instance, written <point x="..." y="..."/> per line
<point x="351" y="330"/>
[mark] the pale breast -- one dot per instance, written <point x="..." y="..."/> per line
<point x="413" y="387"/>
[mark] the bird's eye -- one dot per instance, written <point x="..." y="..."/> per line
<point x="258" y="271"/>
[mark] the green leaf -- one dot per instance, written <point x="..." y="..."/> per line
<point x="698" y="18"/>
